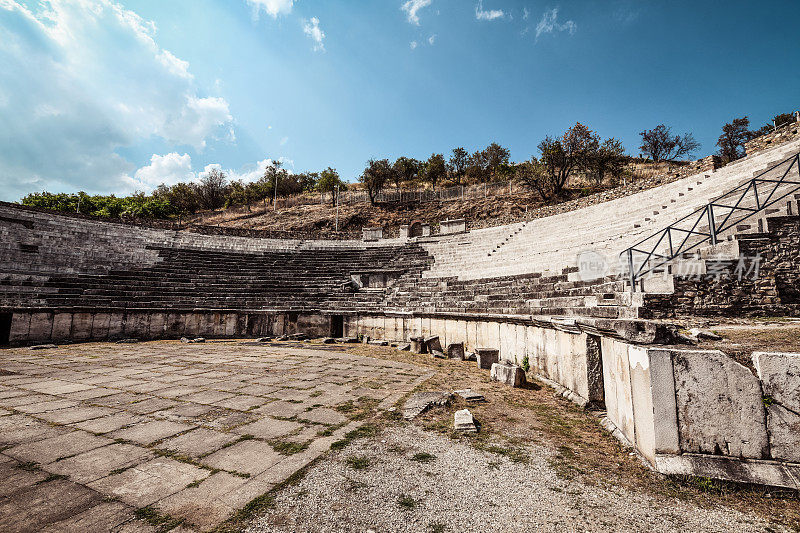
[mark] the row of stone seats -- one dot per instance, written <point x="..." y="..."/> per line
<point x="553" y="243"/>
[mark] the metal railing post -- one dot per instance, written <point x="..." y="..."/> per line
<point x="712" y="230"/>
<point x="630" y="270"/>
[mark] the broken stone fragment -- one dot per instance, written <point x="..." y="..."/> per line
<point x="511" y="375"/>
<point x="420" y="402"/>
<point x="127" y="341"/>
<point x="455" y="350"/>
<point x="438" y="354"/>
<point x="328" y="340"/>
<point x="298" y="336"/>
<point x="470" y="356"/>
<point x="487" y="357"/>
<point x="418" y="345"/>
<point x="404" y="347"/>
<point x="704" y="335"/>
<point x="365" y="339"/>
<point x="470" y="395"/>
<point x="282" y="338"/>
<point x="464" y="422"/>
<point x="43" y="347"/>
<point x="197" y="340"/>
<point x="263" y="339"/>
<point x="432" y="343"/>
<point x="379" y="343"/>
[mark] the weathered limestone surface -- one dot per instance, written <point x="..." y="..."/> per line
<point x="511" y="375"/>
<point x="487" y="357"/>
<point x="780" y="377"/>
<point x="464" y="422"/>
<point x="784" y="433"/>
<point x="719" y="404"/>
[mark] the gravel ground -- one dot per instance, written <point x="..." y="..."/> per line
<point x="463" y="489"/>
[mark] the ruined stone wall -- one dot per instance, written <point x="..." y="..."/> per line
<point x="764" y="281"/>
<point x="784" y="134"/>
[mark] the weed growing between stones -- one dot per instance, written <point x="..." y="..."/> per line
<point x="423" y="457"/>
<point x="358" y="462"/>
<point x="162" y="522"/>
<point x="288" y="447"/>
<point x="407" y="502"/>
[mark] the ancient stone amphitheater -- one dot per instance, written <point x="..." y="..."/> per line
<point x="586" y="296"/>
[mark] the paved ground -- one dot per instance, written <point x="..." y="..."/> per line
<point x="410" y="480"/>
<point x="95" y="435"/>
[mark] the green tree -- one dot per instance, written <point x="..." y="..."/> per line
<point x="734" y="135"/>
<point x="459" y="162"/>
<point x="608" y="159"/>
<point x="329" y="182"/>
<point x="405" y="169"/>
<point x="435" y="170"/>
<point x="213" y="189"/>
<point x="495" y="156"/>
<point x="375" y="177"/>
<point x="561" y="157"/>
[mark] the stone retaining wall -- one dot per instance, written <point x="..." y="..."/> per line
<point x="44" y="326"/>
<point x="763" y="282"/>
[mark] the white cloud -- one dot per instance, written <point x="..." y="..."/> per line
<point x="312" y="29"/>
<point x="82" y="79"/>
<point x="490" y="14"/>
<point x="413" y="45"/>
<point x="432" y="39"/>
<point x="412" y="6"/>
<point x="168" y="169"/>
<point x="549" y="23"/>
<point x="273" y="8"/>
<point x="525" y="13"/>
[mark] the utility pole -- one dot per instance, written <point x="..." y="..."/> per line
<point x="275" y="198"/>
<point x="337" y="208"/>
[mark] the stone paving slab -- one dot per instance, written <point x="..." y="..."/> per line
<point x="92" y="432"/>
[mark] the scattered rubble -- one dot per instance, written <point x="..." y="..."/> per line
<point x="464" y="422"/>
<point x="420" y="402"/>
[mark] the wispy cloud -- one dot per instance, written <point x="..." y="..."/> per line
<point x="312" y="29"/>
<point x="490" y="14"/>
<point x="412" y="6"/>
<point x="525" y="13"/>
<point x="273" y="8"/>
<point x="550" y="24"/>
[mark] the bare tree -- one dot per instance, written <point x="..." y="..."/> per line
<point x="213" y="187"/>
<point x="661" y="145"/>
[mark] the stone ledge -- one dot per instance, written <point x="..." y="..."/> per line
<point x="755" y="471"/>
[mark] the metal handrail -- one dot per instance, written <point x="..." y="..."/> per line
<point x="653" y="259"/>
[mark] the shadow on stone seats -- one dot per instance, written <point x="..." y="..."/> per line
<point x="5" y="328"/>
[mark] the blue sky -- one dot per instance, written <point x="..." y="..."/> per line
<point x="108" y="96"/>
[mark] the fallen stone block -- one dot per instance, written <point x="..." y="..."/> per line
<point x="438" y="354"/>
<point x="298" y="336"/>
<point x="780" y="377"/>
<point x="197" y="340"/>
<point x="43" y="347"/>
<point x="365" y="339"/>
<point x="328" y="340"/>
<point x="433" y="343"/>
<point x="487" y="357"/>
<point x="464" y="422"/>
<point x="420" y="402"/>
<point x="379" y="343"/>
<point x="282" y="338"/>
<point x="456" y="350"/>
<point x="511" y="375"/>
<point x="418" y="345"/>
<point x="127" y="341"/>
<point x="470" y="356"/>
<point x="470" y="395"/>
<point x="264" y="339"/>
<point x="704" y="335"/>
<point x="405" y="347"/>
